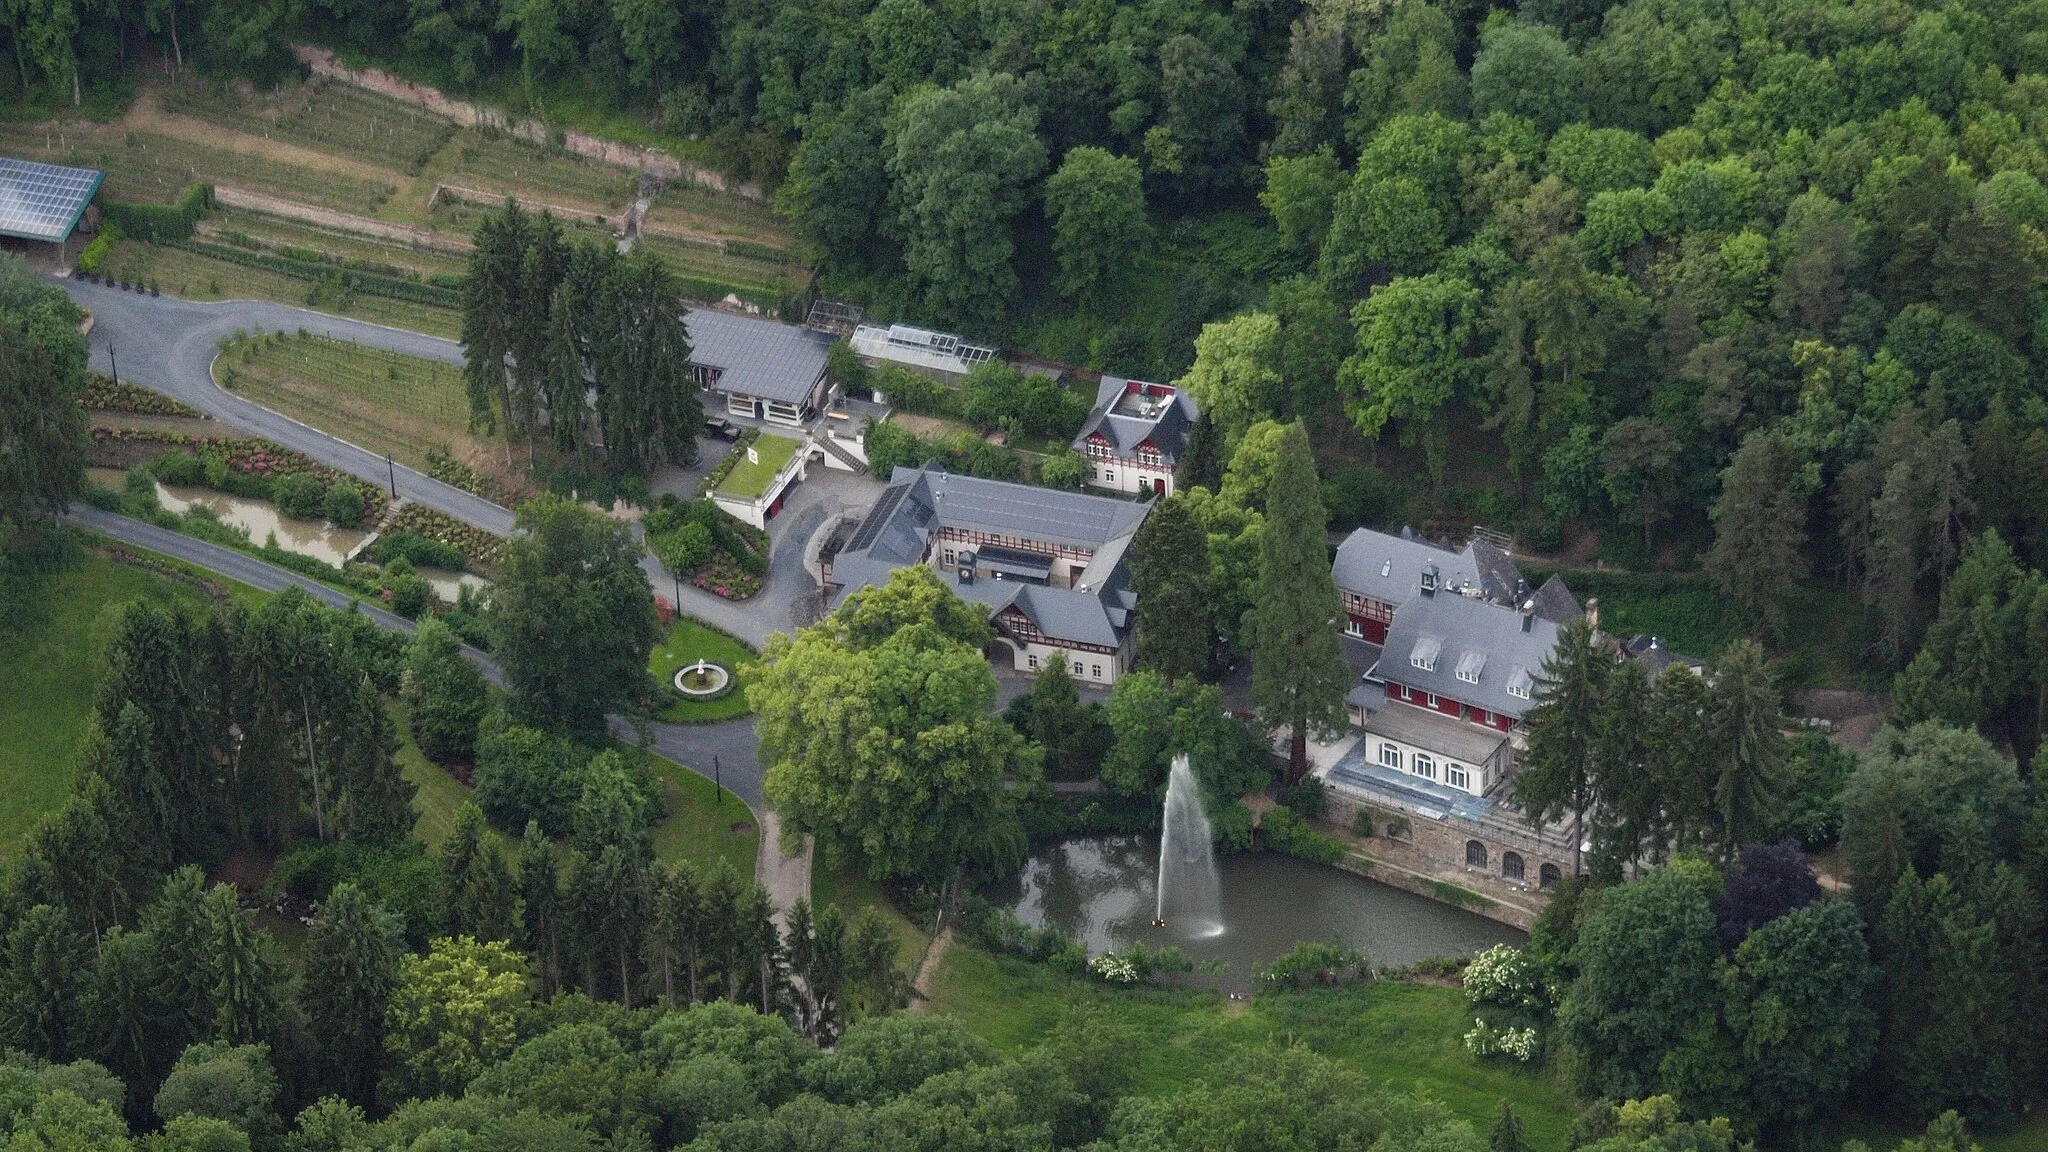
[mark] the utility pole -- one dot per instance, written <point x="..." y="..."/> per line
<point x="717" y="779"/>
<point x="393" y="470"/>
<point x="116" y="364"/>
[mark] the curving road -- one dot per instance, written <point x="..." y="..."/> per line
<point x="168" y="345"/>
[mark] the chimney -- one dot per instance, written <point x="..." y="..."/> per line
<point x="1593" y="613"/>
<point x="1528" y="615"/>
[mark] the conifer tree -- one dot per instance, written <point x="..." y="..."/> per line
<point x="1556" y="778"/>
<point x="1759" y="552"/>
<point x="1507" y="1132"/>
<point x="1170" y="569"/>
<point x="124" y="1006"/>
<point x="375" y="801"/>
<point x="480" y="892"/>
<point x="352" y="952"/>
<point x="244" y="977"/>
<point x="540" y="906"/>
<point x="675" y="942"/>
<point x="1299" y="676"/>
<point x="1748" y="743"/>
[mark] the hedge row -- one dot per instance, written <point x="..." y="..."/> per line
<point x="161" y="223"/>
<point x="369" y="284"/>
<point x="248" y="465"/>
<point x="479" y="546"/>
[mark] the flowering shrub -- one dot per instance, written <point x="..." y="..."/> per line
<point x="1506" y="976"/>
<point x="246" y="465"/>
<point x="105" y="395"/>
<point x="479" y="547"/>
<point x="1114" y="968"/>
<point x="1518" y="1044"/>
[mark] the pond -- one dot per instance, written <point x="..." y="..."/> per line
<point x="316" y="538"/>
<point x="1101" y="890"/>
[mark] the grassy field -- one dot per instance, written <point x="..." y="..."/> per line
<point x="749" y="479"/>
<point x="852" y="891"/>
<point x="325" y="116"/>
<point x="702" y="826"/>
<point x="274" y="233"/>
<point x="384" y="401"/>
<point x="1405" y="1034"/>
<point x="154" y="168"/>
<point x="688" y="642"/>
<point x="196" y="276"/>
<point x="707" y="261"/>
<point x="49" y="673"/>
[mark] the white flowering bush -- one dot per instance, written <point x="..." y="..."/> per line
<point x="1114" y="968"/>
<point x="1518" y="1044"/>
<point x="1506" y="977"/>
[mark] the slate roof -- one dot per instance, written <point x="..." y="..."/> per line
<point x="43" y="201"/>
<point x="1555" y="602"/>
<point x="1357" y="771"/>
<point x="918" y="501"/>
<point x="756" y="357"/>
<point x="1168" y="431"/>
<point x="1653" y="657"/>
<point x="1455" y="626"/>
<point x="1389" y="568"/>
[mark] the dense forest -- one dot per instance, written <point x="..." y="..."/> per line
<point x="1614" y="249"/>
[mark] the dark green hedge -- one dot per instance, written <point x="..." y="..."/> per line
<point x="161" y="223"/>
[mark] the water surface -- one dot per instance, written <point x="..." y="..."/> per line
<point x="1101" y="890"/>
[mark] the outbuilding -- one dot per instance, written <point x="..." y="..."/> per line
<point x="44" y="209"/>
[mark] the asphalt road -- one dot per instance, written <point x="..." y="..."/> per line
<point x="168" y="346"/>
<point x="724" y="751"/>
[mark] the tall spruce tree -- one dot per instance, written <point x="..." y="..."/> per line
<point x="1759" y="552"/>
<point x="490" y="309"/>
<point x="1749" y="745"/>
<point x="352" y="953"/>
<point x="1299" y="675"/>
<point x="540" y="906"/>
<point x="1556" y="778"/>
<point x="1170" y="570"/>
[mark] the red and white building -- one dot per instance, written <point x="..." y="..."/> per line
<point x="1135" y="436"/>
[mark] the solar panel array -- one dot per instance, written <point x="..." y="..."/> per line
<point x="43" y="201"/>
<point x="884" y="508"/>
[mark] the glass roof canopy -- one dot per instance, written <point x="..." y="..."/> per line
<point x="43" y="201"/>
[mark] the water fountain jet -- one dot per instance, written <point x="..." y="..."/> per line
<point x="1188" y="887"/>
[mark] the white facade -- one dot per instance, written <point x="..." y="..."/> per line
<point x="1125" y="475"/>
<point x="1101" y="668"/>
<point x="772" y="411"/>
<point x="1426" y="764"/>
<point x="755" y="511"/>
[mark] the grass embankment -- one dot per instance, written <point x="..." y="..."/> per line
<point x="402" y="405"/>
<point x="197" y="276"/>
<point x="704" y="827"/>
<point x="686" y="643"/>
<point x="1406" y="1034"/>
<point x="50" y="670"/>
<point x="750" y="478"/>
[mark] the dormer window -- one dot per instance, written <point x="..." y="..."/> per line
<point x="1425" y="653"/>
<point x="1519" y="682"/>
<point x="1386" y="566"/>
<point x="1470" y="664"/>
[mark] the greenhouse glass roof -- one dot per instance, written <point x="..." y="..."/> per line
<point x="43" y="201"/>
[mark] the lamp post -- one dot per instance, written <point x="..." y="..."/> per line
<point x="115" y="364"/>
<point x="717" y="780"/>
<point x="393" y="470"/>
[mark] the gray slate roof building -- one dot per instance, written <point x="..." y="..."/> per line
<point x="1127" y="413"/>
<point x="1499" y="650"/>
<point x="756" y="357"/>
<point x="918" y="502"/>
<point x="1389" y="568"/>
<point x="43" y="201"/>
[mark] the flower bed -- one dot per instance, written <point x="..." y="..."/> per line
<point x="478" y="547"/>
<point x="252" y="464"/>
<point x="449" y="470"/>
<point x="722" y="576"/>
<point x="106" y="395"/>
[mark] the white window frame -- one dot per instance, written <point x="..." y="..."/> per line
<point x="1456" y="776"/>
<point x="1096" y="669"/>
<point x="1390" y="755"/>
<point x="1031" y="658"/>
<point x="1425" y="766"/>
<point x="1353" y="627"/>
<point x="1469" y="678"/>
<point x="1431" y="696"/>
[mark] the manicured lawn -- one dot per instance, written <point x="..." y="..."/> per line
<point x="749" y="479"/>
<point x="1405" y="1034"/>
<point x="48" y="670"/>
<point x="701" y="826"/>
<point x="688" y="642"/>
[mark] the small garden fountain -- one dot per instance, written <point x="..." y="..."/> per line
<point x="702" y="680"/>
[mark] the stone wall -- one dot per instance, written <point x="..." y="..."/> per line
<point x="1442" y="842"/>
